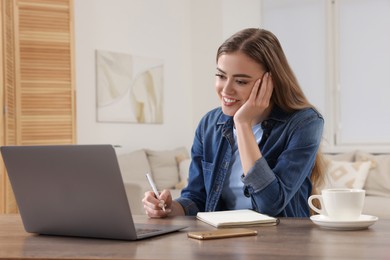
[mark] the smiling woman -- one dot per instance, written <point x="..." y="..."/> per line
<point x="259" y="149"/>
<point x="235" y="77"/>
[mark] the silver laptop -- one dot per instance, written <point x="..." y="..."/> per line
<point x="73" y="190"/>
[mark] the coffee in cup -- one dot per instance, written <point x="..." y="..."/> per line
<point x="339" y="204"/>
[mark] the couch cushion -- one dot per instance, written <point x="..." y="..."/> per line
<point x="378" y="180"/>
<point x="341" y="174"/>
<point x="134" y="166"/>
<point x="184" y="168"/>
<point x="164" y="167"/>
<point x="377" y="206"/>
<point x="175" y="193"/>
<point x="346" y="157"/>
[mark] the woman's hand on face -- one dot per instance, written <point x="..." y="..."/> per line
<point x="154" y="206"/>
<point x="259" y="99"/>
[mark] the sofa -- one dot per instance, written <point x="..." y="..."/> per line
<point x="169" y="168"/>
<point x="362" y="170"/>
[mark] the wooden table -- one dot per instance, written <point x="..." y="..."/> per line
<point x="291" y="239"/>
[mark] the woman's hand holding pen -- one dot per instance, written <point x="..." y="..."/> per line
<point x="154" y="207"/>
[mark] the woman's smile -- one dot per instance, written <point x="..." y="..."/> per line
<point x="229" y="101"/>
<point x="235" y="78"/>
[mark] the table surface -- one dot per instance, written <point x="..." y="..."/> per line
<point x="293" y="238"/>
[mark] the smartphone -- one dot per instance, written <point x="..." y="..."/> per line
<point x="222" y="233"/>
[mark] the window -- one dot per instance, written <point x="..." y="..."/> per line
<point x="339" y="52"/>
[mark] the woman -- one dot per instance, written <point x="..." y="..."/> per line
<point x="259" y="150"/>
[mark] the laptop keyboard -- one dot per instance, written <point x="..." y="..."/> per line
<point x="141" y="231"/>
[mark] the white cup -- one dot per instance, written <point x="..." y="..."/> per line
<point x="339" y="204"/>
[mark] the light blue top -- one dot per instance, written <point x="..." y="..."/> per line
<point x="233" y="188"/>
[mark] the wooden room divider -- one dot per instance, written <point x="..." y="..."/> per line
<point x="37" y="74"/>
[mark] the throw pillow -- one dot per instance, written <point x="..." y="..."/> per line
<point x="164" y="167"/>
<point x="378" y="181"/>
<point x="184" y="168"/>
<point x="341" y="174"/>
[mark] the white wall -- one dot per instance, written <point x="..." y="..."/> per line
<point x="184" y="33"/>
<point x="212" y="23"/>
<point x="156" y="29"/>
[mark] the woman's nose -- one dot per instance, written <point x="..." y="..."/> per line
<point x="228" y="86"/>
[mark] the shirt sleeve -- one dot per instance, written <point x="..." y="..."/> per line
<point x="193" y="197"/>
<point x="272" y="190"/>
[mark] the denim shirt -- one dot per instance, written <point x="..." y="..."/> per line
<point x="278" y="183"/>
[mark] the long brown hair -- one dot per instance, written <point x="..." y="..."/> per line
<point x="263" y="47"/>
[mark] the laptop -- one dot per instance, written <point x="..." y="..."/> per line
<point x="74" y="190"/>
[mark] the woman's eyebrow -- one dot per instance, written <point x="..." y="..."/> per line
<point x="221" y="70"/>
<point x="236" y="75"/>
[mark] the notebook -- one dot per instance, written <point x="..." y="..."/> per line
<point x="236" y="218"/>
<point x="73" y="190"/>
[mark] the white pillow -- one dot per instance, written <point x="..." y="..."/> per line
<point x="164" y="166"/>
<point x="184" y="168"/>
<point x="378" y="180"/>
<point x="341" y="174"/>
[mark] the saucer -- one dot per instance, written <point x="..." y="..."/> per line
<point x="364" y="221"/>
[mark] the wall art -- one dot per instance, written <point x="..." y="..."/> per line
<point x="129" y="88"/>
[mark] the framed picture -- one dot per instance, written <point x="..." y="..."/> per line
<point x="129" y="88"/>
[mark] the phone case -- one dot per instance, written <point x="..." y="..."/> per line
<point x="222" y="233"/>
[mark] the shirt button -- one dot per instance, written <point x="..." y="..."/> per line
<point x="246" y="192"/>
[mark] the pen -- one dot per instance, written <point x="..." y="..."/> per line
<point x="151" y="182"/>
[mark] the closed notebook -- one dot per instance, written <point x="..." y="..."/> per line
<point x="236" y="218"/>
